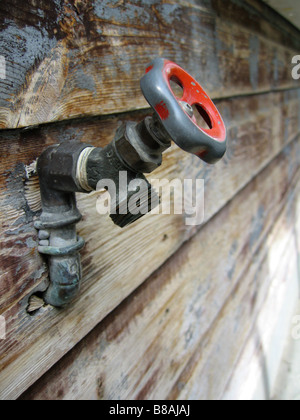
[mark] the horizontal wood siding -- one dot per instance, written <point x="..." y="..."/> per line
<point x="166" y="310"/>
<point x="67" y="59"/>
<point x="181" y="333"/>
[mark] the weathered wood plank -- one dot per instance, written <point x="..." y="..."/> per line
<point x="255" y="373"/>
<point x="255" y="138"/>
<point x="68" y="58"/>
<point x="253" y="311"/>
<point x="181" y="315"/>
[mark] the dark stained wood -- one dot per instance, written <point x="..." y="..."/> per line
<point x="181" y="333"/>
<point x="69" y="59"/>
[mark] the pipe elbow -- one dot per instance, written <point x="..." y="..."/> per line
<point x="65" y="274"/>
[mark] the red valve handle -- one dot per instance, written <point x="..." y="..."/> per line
<point x="176" y="114"/>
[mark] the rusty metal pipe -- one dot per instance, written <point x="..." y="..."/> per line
<point x="68" y="168"/>
<point x="137" y="149"/>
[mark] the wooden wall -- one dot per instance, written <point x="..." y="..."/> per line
<point x="166" y="310"/>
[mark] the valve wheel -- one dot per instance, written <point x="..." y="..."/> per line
<point x="177" y="113"/>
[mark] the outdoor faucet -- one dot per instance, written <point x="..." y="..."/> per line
<point x="137" y="148"/>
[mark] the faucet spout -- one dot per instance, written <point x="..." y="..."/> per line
<point x="131" y="195"/>
<point x="69" y="168"/>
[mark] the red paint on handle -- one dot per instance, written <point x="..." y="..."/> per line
<point x="194" y="94"/>
<point x="149" y="69"/>
<point x="162" y="110"/>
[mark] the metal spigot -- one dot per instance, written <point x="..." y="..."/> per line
<point x="137" y="148"/>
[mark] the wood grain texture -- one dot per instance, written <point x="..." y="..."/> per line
<point x="181" y="333"/>
<point x="259" y="127"/>
<point x="72" y="58"/>
<point x="251" y="313"/>
<point x="264" y="349"/>
<point x="258" y="365"/>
